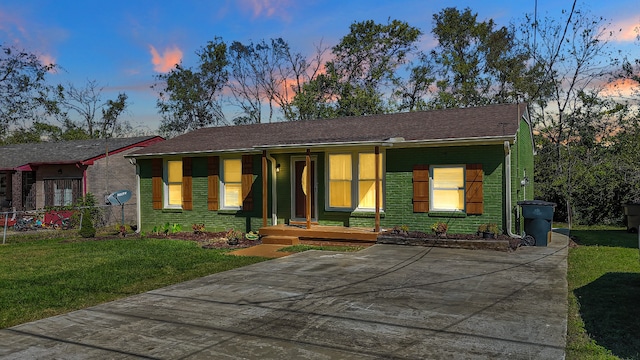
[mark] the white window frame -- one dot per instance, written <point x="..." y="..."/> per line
<point x="432" y="188"/>
<point x="223" y="184"/>
<point x="165" y="183"/>
<point x="355" y="181"/>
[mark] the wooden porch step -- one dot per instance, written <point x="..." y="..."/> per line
<point x="281" y="240"/>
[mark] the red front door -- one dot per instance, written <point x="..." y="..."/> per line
<point x="299" y="192"/>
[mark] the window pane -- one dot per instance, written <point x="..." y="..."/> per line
<point x="366" y="189"/>
<point x="448" y="188"/>
<point x="340" y="193"/>
<point x="448" y="199"/>
<point x="366" y="183"/>
<point x="448" y="178"/>
<point x="175" y="194"/>
<point x="232" y="170"/>
<point x="340" y="167"/>
<point x="232" y="195"/>
<point x="367" y="166"/>
<point x="174" y="171"/>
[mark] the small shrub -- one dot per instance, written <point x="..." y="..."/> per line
<point x="234" y="236"/>
<point x="87" y="230"/>
<point x="491" y="228"/>
<point x="197" y="228"/>
<point x="439" y="227"/>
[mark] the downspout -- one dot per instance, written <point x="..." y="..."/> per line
<point x="274" y="195"/>
<point x="507" y="202"/>
<point x="138" y="214"/>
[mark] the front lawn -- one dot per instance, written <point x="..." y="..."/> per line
<point x="604" y="295"/>
<point x="42" y="278"/>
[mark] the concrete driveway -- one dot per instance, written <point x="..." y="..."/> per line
<point x="388" y="301"/>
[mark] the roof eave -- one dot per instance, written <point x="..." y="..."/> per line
<point x="488" y="140"/>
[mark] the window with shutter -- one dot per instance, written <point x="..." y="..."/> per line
<point x="474" y="196"/>
<point x="156" y="183"/>
<point x="421" y="188"/>
<point x="187" y="184"/>
<point x="447" y="188"/>
<point x="213" y="181"/>
<point x="173" y="184"/>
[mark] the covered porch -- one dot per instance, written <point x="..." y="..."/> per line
<point x="292" y="234"/>
<point x="308" y="229"/>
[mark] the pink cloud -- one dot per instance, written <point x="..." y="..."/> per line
<point x="46" y="60"/>
<point x="629" y="29"/>
<point x="267" y="8"/>
<point x="167" y="60"/>
<point x="620" y="87"/>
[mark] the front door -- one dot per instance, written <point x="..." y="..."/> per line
<point x="299" y="189"/>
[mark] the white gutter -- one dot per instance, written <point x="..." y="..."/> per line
<point x="507" y="202"/>
<point x="274" y="193"/>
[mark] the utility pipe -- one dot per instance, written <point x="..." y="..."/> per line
<point x="507" y="203"/>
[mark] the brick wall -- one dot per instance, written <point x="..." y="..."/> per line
<point x="398" y="191"/>
<point x="399" y="186"/>
<point x="110" y="174"/>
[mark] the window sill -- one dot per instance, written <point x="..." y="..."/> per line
<point x="229" y="211"/>
<point x="172" y="210"/>
<point x="447" y="214"/>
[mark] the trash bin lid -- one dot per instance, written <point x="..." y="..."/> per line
<point x="536" y="203"/>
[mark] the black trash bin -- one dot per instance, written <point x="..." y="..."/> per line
<point x="538" y="216"/>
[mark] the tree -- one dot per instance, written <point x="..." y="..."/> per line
<point x="36" y="132"/>
<point x="23" y="90"/>
<point x="87" y="230"/>
<point x="576" y="61"/>
<point x="190" y="99"/>
<point x="86" y="103"/>
<point x="363" y="67"/>
<point x="476" y="62"/>
<point x="411" y="94"/>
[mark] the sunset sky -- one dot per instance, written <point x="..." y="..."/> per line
<point x="124" y="44"/>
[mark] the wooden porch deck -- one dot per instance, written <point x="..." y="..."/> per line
<point x="292" y="234"/>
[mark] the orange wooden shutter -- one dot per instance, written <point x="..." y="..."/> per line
<point x="156" y="183"/>
<point x="187" y="184"/>
<point x="247" y="182"/>
<point x="421" y="188"/>
<point x="213" y="180"/>
<point x="474" y="197"/>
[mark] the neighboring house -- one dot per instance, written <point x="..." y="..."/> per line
<point x="40" y="175"/>
<point x="460" y="166"/>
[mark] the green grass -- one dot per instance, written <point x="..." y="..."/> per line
<point x="301" y="248"/>
<point x="604" y="295"/>
<point x="42" y="278"/>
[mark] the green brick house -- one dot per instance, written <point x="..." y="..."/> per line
<point x="460" y="166"/>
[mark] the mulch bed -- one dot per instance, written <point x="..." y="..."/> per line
<point x="206" y="240"/>
<point x="463" y="241"/>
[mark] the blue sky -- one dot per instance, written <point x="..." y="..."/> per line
<point x="124" y="44"/>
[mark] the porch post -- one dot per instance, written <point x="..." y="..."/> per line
<point x="264" y="188"/>
<point x="377" y="192"/>
<point x="308" y="188"/>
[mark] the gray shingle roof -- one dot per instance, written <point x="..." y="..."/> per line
<point x="490" y="122"/>
<point x="13" y="156"/>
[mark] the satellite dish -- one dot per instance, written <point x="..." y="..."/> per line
<point x="119" y="197"/>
